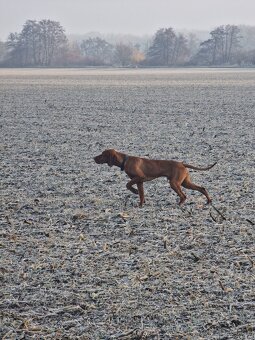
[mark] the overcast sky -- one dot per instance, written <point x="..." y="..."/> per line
<point x="137" y="17"/>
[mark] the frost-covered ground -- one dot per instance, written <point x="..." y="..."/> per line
<point x="79" y="260"/>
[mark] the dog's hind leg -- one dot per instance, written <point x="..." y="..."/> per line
<point x="189" y="185"/>
<point x="177" y="188"/>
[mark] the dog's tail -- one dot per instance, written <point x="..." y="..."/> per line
<point x="196" y="168"/>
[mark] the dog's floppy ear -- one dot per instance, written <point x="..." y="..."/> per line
<point x="111" y="154"/>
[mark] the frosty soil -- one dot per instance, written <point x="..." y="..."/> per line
<point x="78" y="258"/>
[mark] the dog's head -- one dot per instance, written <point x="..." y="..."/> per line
<point x="108" y="156"/>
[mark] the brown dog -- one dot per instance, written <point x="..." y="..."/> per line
<point x="142" y="170"/>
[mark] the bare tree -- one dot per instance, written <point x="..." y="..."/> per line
<point x="14" y="50"/>
<point x="161" y="51"/>
<point x="52" y="37"/>
<point x="97" y="51"/>
<point x="221" y="47"/>
<point x="192" y="44"/>
<point x="123" y="54"/>
<point x="232" y="41"/>
<point x="167" y="49"/>
<point x="29" y="39"/>
<point x="37" y="44"/>
<point x="181" y="52"/>
<point x="70" y="55"/>
<point x="2" y="51"/>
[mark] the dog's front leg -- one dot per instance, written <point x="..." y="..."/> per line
<point x="130" y="184"/>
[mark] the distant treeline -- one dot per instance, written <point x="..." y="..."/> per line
<point x="45" y="44"/>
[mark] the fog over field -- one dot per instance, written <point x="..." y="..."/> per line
<point x="79" y="259"/>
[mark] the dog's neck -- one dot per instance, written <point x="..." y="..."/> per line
<point x="121" y="160"/>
